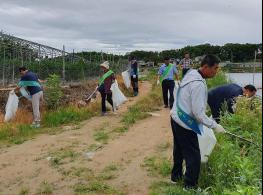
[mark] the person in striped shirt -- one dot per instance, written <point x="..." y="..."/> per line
<point x="186" y="64"/>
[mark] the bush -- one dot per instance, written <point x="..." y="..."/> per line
<point x="53" y="92"/>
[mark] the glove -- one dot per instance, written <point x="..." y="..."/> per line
<point x="219" y="129"/>
<point x="12" y="92"/>
<point x="179" y="83"/>
<point x="134" y="76"/>
<point x="158" y="82"/>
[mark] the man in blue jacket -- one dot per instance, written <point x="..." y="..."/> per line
<point x="31" y="83"/>
<point x="227" y="94"/>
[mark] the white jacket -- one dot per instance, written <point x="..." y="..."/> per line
<point x="193" y="100"/>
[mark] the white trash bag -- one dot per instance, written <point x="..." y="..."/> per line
<point x="11" y="106"/>
<point x="117" y="96"/>
<point x="126" y="79"/>
<point x="207" y="142"/>
<point x="25" y="93"/>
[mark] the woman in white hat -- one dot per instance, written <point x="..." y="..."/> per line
<point x="104" y="86"/>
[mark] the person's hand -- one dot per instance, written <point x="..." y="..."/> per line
<point x="219" y="129"/>
<point x="134" y="76"/>
<point x="12" y="92"/>
<point x="179" y="83"/>
<point x="158" y="82"/>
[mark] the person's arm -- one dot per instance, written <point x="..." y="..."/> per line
<point x="181" y="64"/>
<point x="191" y="64"/>
<point x="198" y="104"/>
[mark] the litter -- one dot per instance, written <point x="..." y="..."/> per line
<point x="126" y="79"/>
<point x="117" y="96"/>
<point x="11" y="106"/>
<point x="207" y="142"/>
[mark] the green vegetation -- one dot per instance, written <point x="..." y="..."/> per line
<point x="46" y="188"/>
<point x="66" y="115"/>
<point x="62" y="156"/>
<point x="53" y="92"/>
<point x="102" y="136"/>
<point x="94" y="188"/>
<point x="234" y="167"/>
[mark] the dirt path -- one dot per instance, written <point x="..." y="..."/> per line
<point x="53" y="164"/>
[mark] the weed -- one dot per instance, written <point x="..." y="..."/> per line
<point x="158" y="166"/>
<point x="46" y="188"/>
<point x="24" y="191"/>
<point x="60" y="157"/>
<point x="101" y="136"/>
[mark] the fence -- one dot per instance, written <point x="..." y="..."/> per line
<point x="45" y="60"/>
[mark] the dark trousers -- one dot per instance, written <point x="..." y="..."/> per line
<point x="185" y="70"/>
<point x="135" y="84"/>
<point x="104" y="97"/>
<point x="168" y="86"/>
<point x="186" y="147"/>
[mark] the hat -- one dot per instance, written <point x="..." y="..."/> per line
<point x="105" y="64"/>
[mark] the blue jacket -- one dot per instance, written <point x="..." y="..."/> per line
<point x="226" y="93"/>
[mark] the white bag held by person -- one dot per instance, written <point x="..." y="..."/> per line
<point x="117" y="96"/>
<point x="207" y="142"/>
<point x="11" y="106"/>
<point x="126" y="79"/>
<point x="25" y="93"/>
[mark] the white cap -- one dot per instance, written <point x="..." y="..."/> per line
<point x="105" y="64"/>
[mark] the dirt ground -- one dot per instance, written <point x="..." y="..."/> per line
<point x="28" y="167"/>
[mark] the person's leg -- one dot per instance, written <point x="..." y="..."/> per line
<point x="35" y="105"/>
<point x="165" y="92"/>
<point x="171" y="92"/>
<point x="109" y="99"/>
<point x="177" y="171"/>
<point x="103" y="102"/>
<point x="191" y="153"/>
<point x="135" y="85"/>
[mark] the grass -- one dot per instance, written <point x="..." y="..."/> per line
<point x="234" y="167"/>
<point x="102" y="136"/>
<point x="65" y="116"/>
<point x="46" y="188"/>
<point x="95" y="187"/>
<point x="63" y="156"/>
<point x="158" y="166"/>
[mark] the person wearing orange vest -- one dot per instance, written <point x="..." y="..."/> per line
<point x="104" y="86"/>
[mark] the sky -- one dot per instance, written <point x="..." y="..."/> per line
<point x="120" y="26"/>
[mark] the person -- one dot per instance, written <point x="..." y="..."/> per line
<point x="187" y="119"/>
<point x="104" y="86"/>
<point x="166" y="77"/>
<point x="31" y="83"/>
<point x="134" y="75"/>
<point x="227" y="94"/>
<point x="186" y="64"/>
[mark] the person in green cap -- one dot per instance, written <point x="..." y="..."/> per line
<point x="104" y="86"/>
<point x="166" y="77"/>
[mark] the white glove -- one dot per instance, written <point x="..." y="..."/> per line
<point x="219" y="129"/>
<point x="179" y="83"/>
<point x="134" y="76"/>
<point x="158" y="82"/>
<point x="12" y="92"/>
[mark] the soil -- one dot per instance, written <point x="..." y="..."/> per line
<point x="28" y="165"/>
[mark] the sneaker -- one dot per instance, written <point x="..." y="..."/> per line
<point x="103" y="114"/>
<point x="35" y="125"/>
<point x="135" y="94"/>
<point x="166" y="106"/>
<point x="173" y="182"/>
<point x="190" y="188"/>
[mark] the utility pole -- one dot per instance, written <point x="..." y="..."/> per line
<point x="63" y="60"/>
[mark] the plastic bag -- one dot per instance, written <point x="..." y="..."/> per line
<point x="207" y="142"/>
<point x="126" y="79"/>
<point x="25" y="93"/>
<point x="117" y="96"/>
<point x="11" y="106"/>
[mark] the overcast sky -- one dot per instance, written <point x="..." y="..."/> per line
<point x="125" y="25"/>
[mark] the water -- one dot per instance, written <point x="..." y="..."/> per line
<point x="247" y="78"/>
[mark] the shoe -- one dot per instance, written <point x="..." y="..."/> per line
<point x="173" y="182"/>
<point x="166" y="106"/>
<point x="135" y="94"/>
<point x="35" y="125"/>
<point x="194" y="188"/>
<point x="103" y="114"/>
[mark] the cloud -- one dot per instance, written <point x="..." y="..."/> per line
<point x="125" y="25"/>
